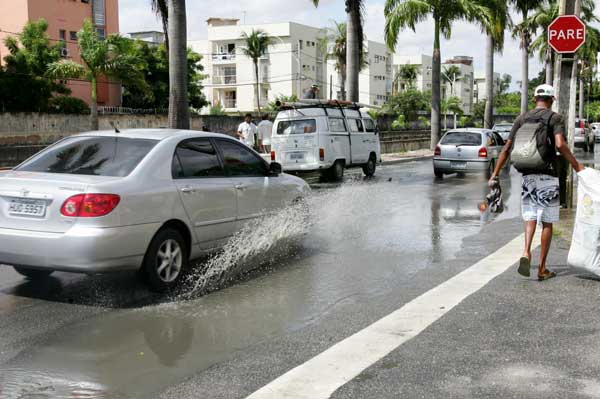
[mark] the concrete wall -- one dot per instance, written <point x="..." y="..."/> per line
<point x="409" y="140"/>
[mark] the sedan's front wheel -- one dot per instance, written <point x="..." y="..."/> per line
<point x="166" y="260"/>
<point x="33" y="274"/>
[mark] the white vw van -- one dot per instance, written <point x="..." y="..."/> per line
<point x="325" y="137"/>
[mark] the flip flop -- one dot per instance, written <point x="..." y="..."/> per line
<point x="524" y="266"/>
<point x="548" y="275"/>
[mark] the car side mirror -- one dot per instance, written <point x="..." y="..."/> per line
<point x="275" y="169"/>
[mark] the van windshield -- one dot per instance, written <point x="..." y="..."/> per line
<point x="299" y="126"/>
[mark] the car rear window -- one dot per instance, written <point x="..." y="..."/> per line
<point x="463" y="138"/>
<point x="98" y="156"/>
<point x="299" y="126"/>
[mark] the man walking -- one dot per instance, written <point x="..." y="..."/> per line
<point x="312" y="93"/>
<point x="540" y="190"/>
<point x="265" y="128"/>
<point x="247" y="131"/>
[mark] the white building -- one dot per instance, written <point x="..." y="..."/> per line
<point x="291" y="66"/>
<point x="424" y="67"/>
<point x="464" y="85"/>
<point x="374" y="81"/>
<point x="153" y="37"/>
<point x="479" y="90"/>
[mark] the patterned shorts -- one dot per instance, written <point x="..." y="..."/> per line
<point x="540" y="198"/>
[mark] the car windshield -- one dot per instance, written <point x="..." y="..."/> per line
<point x="462" y="138"/>
<point x="86" y="155"/>
<point x="300" y="126"/>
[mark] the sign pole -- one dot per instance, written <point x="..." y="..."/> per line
<point x="565" y="84"/>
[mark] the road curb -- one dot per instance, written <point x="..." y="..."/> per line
<point x="404" y="160"/>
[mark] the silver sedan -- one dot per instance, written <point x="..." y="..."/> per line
<point x="151" y="199"/>
<point x="467" y="150"/>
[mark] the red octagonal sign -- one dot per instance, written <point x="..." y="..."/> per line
<point x="566" y="34"/>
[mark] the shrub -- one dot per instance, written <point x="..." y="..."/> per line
<point x="67" y="105"/>
<point x="399" y="123"/>
<point x="216" y="109"/>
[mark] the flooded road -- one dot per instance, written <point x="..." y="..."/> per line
<point x="366" y="246"/>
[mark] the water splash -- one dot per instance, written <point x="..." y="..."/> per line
<point x="255" y="238"/>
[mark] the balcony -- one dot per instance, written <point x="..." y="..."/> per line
<point x="224" y="58"/>
<point x="229" y="103"/>
<point x="224" y="80"/>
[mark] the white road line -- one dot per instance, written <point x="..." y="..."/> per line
<point x="323" y="374"/>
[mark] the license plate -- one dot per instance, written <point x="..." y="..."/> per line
<point x="458" y="165"/>
<point x="23" y="207"/>
<point x="296" y="155"/>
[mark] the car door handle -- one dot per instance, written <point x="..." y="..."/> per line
<point x="188" y="190"/>
<point x="241" y="187"/>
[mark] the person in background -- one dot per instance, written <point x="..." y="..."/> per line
<point x="311" y="93"/>
<point x="265" y="128"/>
<point x="247" y="131"/>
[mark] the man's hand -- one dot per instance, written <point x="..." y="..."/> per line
<point x="579" y="167"/>
<point x="494" y="180"/>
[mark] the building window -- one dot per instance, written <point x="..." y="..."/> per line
<point x="98" y="13"/>
<point x="101" y="33"/>
<point x="73" y="36"/>
<point x="300" y="44"/>
<point x="62" y="34"/>
<point x="85" y="1"/>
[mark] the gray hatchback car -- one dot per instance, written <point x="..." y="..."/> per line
<point x="150" y="199"/>
<point x="466" y="151"/>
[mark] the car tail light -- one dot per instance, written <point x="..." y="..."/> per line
<point x="89" y="205"/>
<point x="438" y="151"/>
<point x="483" y="153"/>
<point x="272" y="155"/>
<point x="581" y="124"/>
<point x="321" y="154"/>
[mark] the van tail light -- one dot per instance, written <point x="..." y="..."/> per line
<point x="483" y="153"/>
<point x="438" y="151"/>
<point x="321" y="154"/>
<point x="272" y="155"/>
<point x="89" y="205"/>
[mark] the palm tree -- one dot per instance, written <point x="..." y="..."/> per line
<point x="524" y="31"/>
<point x="493" y="26"/>
<point x="161" y="9"/>
<point x="111" y="57"/>
<point x="402" y="14"/>
<point x="337" y="52"/>
<point x="179" y="110"/>
<point x="408" y="74"/>
<point x="257" y="44"/>
<point x="355" y="44"/>
<point x="451" y="75"/>
<point x="451" y="104"/>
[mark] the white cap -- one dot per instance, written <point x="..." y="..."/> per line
<point x="544" y="91"/>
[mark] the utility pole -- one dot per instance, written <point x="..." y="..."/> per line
<point x="299" y="77"/>
<point x="565" y="83"/>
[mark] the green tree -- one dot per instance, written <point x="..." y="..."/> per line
<point x="111" y="57"/>
<point x="451" y="104"/>
<point x="407" y="74"/>
<point x="407" y="103"/>
<point x="273" y="107"/>
<point x="179" y="109"/>
<point x="24" y="85"/>
<point x="155" y="68"/>
<point x="161" y="9"/>
<point x="333" y="44"/>
<point x="451" y="75"/>
<point x="257" y="45"/>
<point x="402" y="14"/>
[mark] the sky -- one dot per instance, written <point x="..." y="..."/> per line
<point x="467" y="39"/>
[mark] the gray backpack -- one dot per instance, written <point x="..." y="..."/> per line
<point x="533" y="146"/>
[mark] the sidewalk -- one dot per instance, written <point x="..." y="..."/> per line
<point x="399" y="157"/>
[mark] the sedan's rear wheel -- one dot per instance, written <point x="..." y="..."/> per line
<point x="33" y="274"/>
<point x="166" y="260"/>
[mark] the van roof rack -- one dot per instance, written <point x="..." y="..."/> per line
<point x="304" y="103"/>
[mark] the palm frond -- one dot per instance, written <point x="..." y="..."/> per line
<point x="402" y="14"/>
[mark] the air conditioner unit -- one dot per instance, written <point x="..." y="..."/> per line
<point x="64" y="52"/>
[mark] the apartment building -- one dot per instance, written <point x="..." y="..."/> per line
<point x="152" y="37"/>
<point x="464" y="85"/>
<point x="424" y="67"/>
<point x="292" y="64"/>
<point x="374" y="81"/>
<point x="480" y="91"/>
<point x="65" y="18"/>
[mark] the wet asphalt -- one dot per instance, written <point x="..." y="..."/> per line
<point x="369" y="247"/>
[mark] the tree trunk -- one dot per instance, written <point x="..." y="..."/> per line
<point x="94" y="105"/>
<point x="454" y="127"/>
<point x="488" y="116"/>
<point x="446" y="120"/>
<point x="257" y="86"/>
<point x="179" y="111"/>
<point x="435" y="86"/>
<point x="581" y="98"/>
<point x="524" y="72"/>
<point x="352" y="49"/>
<point x="549" y="67"/>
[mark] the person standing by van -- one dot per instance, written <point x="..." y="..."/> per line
<point x="265" y="129"/>
<point x="247" y="131"/>
<point x="533" y="141"/>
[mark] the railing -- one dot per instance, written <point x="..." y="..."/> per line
<point x="224" y="79"/>
<point x="228" y="103"/>
<point x="223" y="57"/>
<point x="102" y="110"/>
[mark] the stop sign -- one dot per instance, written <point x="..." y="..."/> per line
<point x="566" y="34"/>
